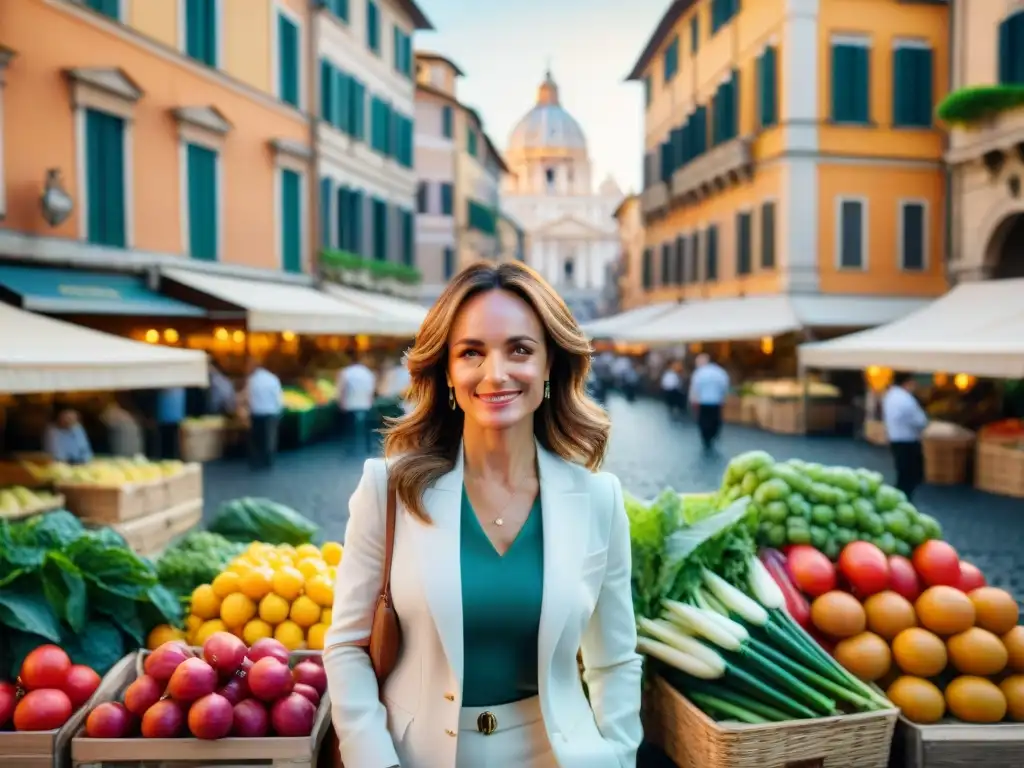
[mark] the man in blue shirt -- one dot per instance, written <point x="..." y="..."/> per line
<point x="170" y="412"/>
<point x="66" y="440"/>
<point x="905" y="421"/>
<point x="709" y="387"/>
<point x="266" y="401"/>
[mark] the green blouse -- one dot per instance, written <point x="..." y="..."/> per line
<point x="501" y="601"/>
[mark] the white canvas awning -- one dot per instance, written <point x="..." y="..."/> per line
<point x="610" y="327"/>
<point x="405" y="316"/>
<point x="753" y="317"/>
<point x="40" y="354"/>
<point x="278" y="307"/>
<point x="977" y="328"/>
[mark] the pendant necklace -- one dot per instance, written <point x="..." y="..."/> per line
<point x="500" y="519"/>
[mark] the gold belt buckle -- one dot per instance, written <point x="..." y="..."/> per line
<point x="487" y="723"/>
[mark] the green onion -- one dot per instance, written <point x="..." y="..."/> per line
<point x="727" y="708"/>
<point x="763" y="586"/>
<point x="733" y="599"/>
<point x="676" y="659"/>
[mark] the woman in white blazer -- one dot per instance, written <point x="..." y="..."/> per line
<point x="511" y="552"/>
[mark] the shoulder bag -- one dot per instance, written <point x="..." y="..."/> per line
<point x="385" y="633"/>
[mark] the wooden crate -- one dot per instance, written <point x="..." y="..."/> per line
<point x="946" y="460"/>
<point x="957" y="745"/>
<point x="693" y="740"/>
<point x="51" y="749"/>
<point x="874" y="432"/>
<point x="748" y="409"/>
<point x="151" y="534"/>
<point x="790" y="417"/>
<point x="186" y="485"/>
<point x="999" y="468"/>
<point x="114" y="503"/>
<point x="732" y="410"/>
<point x="16" y="473"/>
<point x="202" y="443"/>
<point x="295" y="752"/>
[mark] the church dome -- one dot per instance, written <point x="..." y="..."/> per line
<point x="547" y="125"/>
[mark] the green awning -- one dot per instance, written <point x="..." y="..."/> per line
<point x="71" y="292"/>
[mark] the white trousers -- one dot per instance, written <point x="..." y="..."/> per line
<point x="518" y="740"/>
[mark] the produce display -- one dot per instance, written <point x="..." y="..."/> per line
<point x="19" y="501"/>
<point x="209" y="421"/>
<point x="246" y="520"/>
<point x="84" y="590"/>
<point x="228" y="689"/>
<point x="48" y="690"/>
<point x="113" y="471"/>
<point x="322" y="391"/>
<point x="929" y="629"/>
<point x="195" y="559"/>
<point x="798" y="502"/>
<point x="281" y="592"/>
<point x="789" y="389"/>
<point x="297" y="401"/>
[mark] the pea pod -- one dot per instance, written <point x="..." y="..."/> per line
<point x="798" y="506"/>
<point x="751" y="461"/>
<point x="775" y="512"/>
<point x="888" y="498"/>
<point x="822" y="515"/>
<point x="771" y="490"/>
<point x="846" y="515"/>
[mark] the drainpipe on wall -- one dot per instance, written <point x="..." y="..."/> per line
<point x="950" y="184"/>
<point x="312" y="95"/>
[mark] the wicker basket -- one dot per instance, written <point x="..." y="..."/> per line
<point x="946" y="459"/>
<point x="693" y="740"/>
<point x="999" y="468"/>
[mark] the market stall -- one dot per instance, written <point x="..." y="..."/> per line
<point x="613" y="326"/>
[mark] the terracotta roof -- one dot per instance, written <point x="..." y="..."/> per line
<point x="419" y="18"/>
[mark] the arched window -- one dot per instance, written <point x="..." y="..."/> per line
<point x="1011" y="49"/>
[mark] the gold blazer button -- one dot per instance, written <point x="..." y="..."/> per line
<point x="450" y="696"/>
<point x="449" y="731"/>
<point x="487" y="723"/>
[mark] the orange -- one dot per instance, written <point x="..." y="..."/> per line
<point x="288" y="582"/>
<point x="256" y="583"/>
<point x="205" y="603"/>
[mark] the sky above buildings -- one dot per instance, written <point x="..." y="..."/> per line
<point x="504" y="47"/>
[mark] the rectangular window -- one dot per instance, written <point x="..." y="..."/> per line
<point x="680" y="268"/>
<point x="768" y="236"/>
<point x="372" y="26"/>
<point x="381" y="119"/>
<point x="694" y="258"/>
<point x="447" y="199"/>
<point x="380" y="230"/>
<point x="481" y="218"/>
<point x="851" y="80"/>
<point x="356" y="222"/>
<point x="326" y="198"/>
<point x="201" y="31"/>
<point x="422" y="197"/>
<point x="291" y="221"/>
<point x="403" y="52"/>
<point x="695" y="34"/>
<point x="111" y="8"/>
<point x="767" y="88"/>
<point x="328" y="91"/>
<point x="404" y="138"/>
<point x="725" y="112"/>
<point x="744" y="246"/>
<point x="408" y="238"/>
<point x="722" y="12"/>
<point x="447" y="122"/>
<point x="1011" y="50"/>
<point x="201" y="169"/>
<point x="912" y="67"/>
<point x="852" y="229"/>
<point x="671" y="61"/>
<point x="105" y="179"/>
<point x="449" y="262"/>
<point x="913" y="226"/>
<point x="711" y="264"/>
<point x="342" y="225"/>
<point x="666" y="264"/>
<point x="338" y="8"/>
<point x="288" y="60"/>
<point x="357" y="109"/>
<point x="648" y="269"/>
<point x="472" y="142"/>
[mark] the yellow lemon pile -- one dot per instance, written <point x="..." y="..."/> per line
<point x="281" y="591"/>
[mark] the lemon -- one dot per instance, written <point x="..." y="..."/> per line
<point x="256" y="584"/>
<point x="289" y="634"/>
<point x="256" y="629"/>
<point x="288" y="582"/>
<point x="326" y="616"/>
<point x="308" y="550"/>
<point x="274" y="609"/>
<point x="205" y="603"/>
<point x="309" y="567"/>
<point x="192" y="623"/>
<point x="163" y="634"/>
<point x="321" y="591"/>
<point x="304" y="612"/>
<point x="208" y="628"/>
<point x="236" y="610"/>
<point x="258" y="549"/>
<point x="286" y="549"/>
<point x="331" y="551"/>
<point x="241" y="567"/>
<point x="315" y="637"/>
<point x="226" y="583"/>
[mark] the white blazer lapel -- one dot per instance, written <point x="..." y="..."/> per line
<point x="440" y="564"/>
<point x="565" y="511"/>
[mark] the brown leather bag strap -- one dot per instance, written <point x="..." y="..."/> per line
<point x="389" y="540"/>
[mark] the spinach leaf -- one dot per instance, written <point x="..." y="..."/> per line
<point x="64" y="587"/>
<point x="100" y="645"/>
<point x="25" y="608"/>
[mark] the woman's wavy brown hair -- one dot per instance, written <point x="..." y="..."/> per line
<point x="426" y="441"/>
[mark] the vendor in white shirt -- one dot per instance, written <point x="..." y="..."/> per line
<point x="266" y="401"/>
<point x="905" y="421"/>
<point x="357" y="387"/>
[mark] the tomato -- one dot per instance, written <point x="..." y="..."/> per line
<point x="970" y="577"/>
<point x="936" y="562"/>
<point x="45" y="667"/>
<point x="865" y="567"/>
<point x="811" y="570"/>
<point x="903" y="578"/>
<point x="8" y="698"/>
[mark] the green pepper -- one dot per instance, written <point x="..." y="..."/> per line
<point x="798" y="505"/>
<point x="916" y="534"/>
<point x="822" y="493"/>
<point x="818" y="537"/>
<point x="822" y="515"/>
<point x="749" y="483"/>
<point x="775" y="512"/>
<point x="897" y="523"/>
<point x="909" y="510"/>
<point x="887" y="543"/>
<point x="932" y="529"/>
<point x="777" y="536"/>
<point x="798" y="535"/>
<point x="872" y="480"/>
<point x="791" y="476"/>
<point x="846" y="515"/>
<point x="844" y="536"/>
<point x="863" y="507"/>
<point x="888" y="498"/>
<point x="844" y="478"/>
<point x="732" y="495"/>
<point x="771" y="490"/>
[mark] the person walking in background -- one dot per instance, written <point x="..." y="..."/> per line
<point x="65" y="438"/>
<point x="357" y="385"/>
<point x="709" y="387"/>
<point x="905" y="420"/>
<point x="124" y="432"/>
<point x="395" y="383"/>
<point x="222" y="397"/>
<point x="170" y="412"/>
<point x="672" y="389"/>
<point x="266" y="401"/>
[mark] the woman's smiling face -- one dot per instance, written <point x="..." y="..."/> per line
<point x="497" y="360"/>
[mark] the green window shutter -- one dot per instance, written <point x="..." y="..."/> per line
<point x="342" y="231"/>
<point x="447" y="199"/>
<point x="851" y="243"/>
<point x="357" y="112"/>
<point x="471" y="142"/>
<point x="447" y="122"/>
<point x="407" y="54"/>
<point x="342" y="98"/>
<point x="743" y="244"/>
<point x="339" y="8"/>
<point x="291" y="221"/>
<point x="356" y="221"/>
<point x="287" y="60"/>
<point x="449" y="263"/>
<point x="671" y="60"/>
<point x="695" y="257"/>
<point x="912" y="87"/>
<point x="326" y="197"/>
<point x="202" y="202"/>
<point x="1005" y="52"/>
<point x="105" y="182"/>
<point x="380" y="230"/>
<point x="372" y="26"/>
<point x="694" y="34"/>
<point x="912" y="246"/>
<point x="850" y="83"/>
<point x="201" y="31"/>
<point x="711" y="267"/>
<point x="111" y="8"/>
<point x="768" y="236"/>
<point x="767" y="83"/>
<point x="328" y="93"/>
<point x="408" y="238"/>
